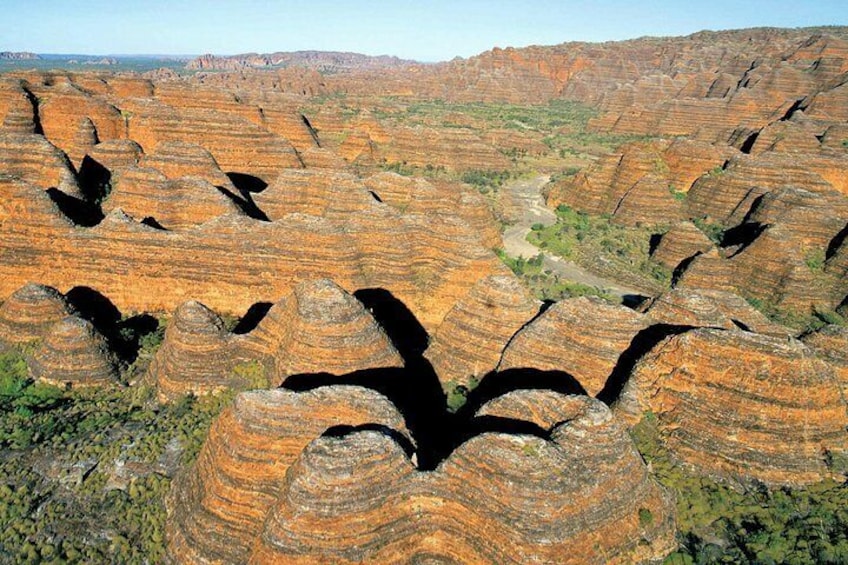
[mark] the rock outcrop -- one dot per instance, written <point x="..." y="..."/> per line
<point x="734" y="403"/>
<point x="197" y="354"/>
<point x="831" y="344"/>
<point x="710" y="309"/>
<point x="682" y="241"/>
<point x="73" y="353"/>
<point x="354" y="495"/>
<point x="468" y="344"/>
<point x="30" y="312"/>
<point x="583" y="337"/>
<point x="320" y="328"/>
<point x="220" y="503"/>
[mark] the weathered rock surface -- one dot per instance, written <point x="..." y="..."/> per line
<point x="30" y="312"/>
<point x="73" y="353"/>
<point x="711" y="309"/>
<point x="35" y="160"/>
<point x="197" y="354"/>
<point x="643" y="182"/>
<point x="320" y="328"/>
<point x="503" y="484"/>
<point x="220" y="503"/>
<point x="734" y="403"/>
<point x="831" y="344"/>
<point x="178" y="204"/>
<point x="355" y="495"/>
<point x="681" y="242"/>
<point x="468" y="344"/>
<point x="177" y="159"/>
<point x="583" y="337"/>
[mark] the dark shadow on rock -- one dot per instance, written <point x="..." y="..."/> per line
<point x="106" y="318"/>
<point x="80" y="212"/>
<point x="247" y="183"/>
<point x="641" y="344"/>
<point x="405" y="331"/>
<point x="153" y="223"/>
<point x="95" y="180"/>
<point x="796" y="106"/>
<point x="654" y="242"/>
<point x="836" y="242"/>
<point x="36" y="117"/>
<point x="420" y="401"/>
<point x="245" y="203"/>
<point x="94" y="307"/>
<point x="344" y="430"/>
<point x="741" y="325"/>
<point x="633" y="301"/>
<point x="254" y="315"/>
<point x="749" y="142"/>
<point x="130" y="332"/>
<point x="681" y="268"/>
<point x="495" y="384"/>
<point x="415" y="389"/>
<point x="498" y="424"/>
<point x="742" y="235"/>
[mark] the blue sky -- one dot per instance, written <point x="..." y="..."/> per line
<point x="416" y="29"/>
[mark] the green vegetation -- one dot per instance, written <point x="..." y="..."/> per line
<point x="61" y="500"/>
<point x="713" y="231"/>
<point x="678" y="195"/>
<point x="457" y="395"/>
<point x="720" y="523"/>
<point x="545" y="285"/>
<point x="538" y="118"/>
<point x="815" y="260"/>
<point x="485" y="181"/>
<point x="590" y="240"/>
<point x="251" y="375"/>
<point x="804" y="322"/>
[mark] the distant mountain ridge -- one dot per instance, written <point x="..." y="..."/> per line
<point x="17" y="56"/>
<point x="324" y="61"/>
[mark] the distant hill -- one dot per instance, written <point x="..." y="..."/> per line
<point x="18" y="56"/>
<point x="322" y="61"/>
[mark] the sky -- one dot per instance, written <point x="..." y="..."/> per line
<point x="426" y="31"/>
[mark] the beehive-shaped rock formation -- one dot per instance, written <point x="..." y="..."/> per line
<point x="30" y="312"/>
<point x="196" y="356"/>
<point x="176" y="159"/>
<point x="583" y="337"/>
<point x="220" y="503"/>
<point x="73" y="352"/>
<point x="178" y="204"/>
<point x="35" y="160"/>
<point x="499" y="498"/>
<point x="320" y="328"/>
<point x="710" y="308"/>
<point x="734" y="403"/>
<point x="682" y="241"/>
<point x="469" y="342"/>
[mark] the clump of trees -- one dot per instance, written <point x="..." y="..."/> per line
<point x="58" y="502"/>
<point x="748" y="523"/>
